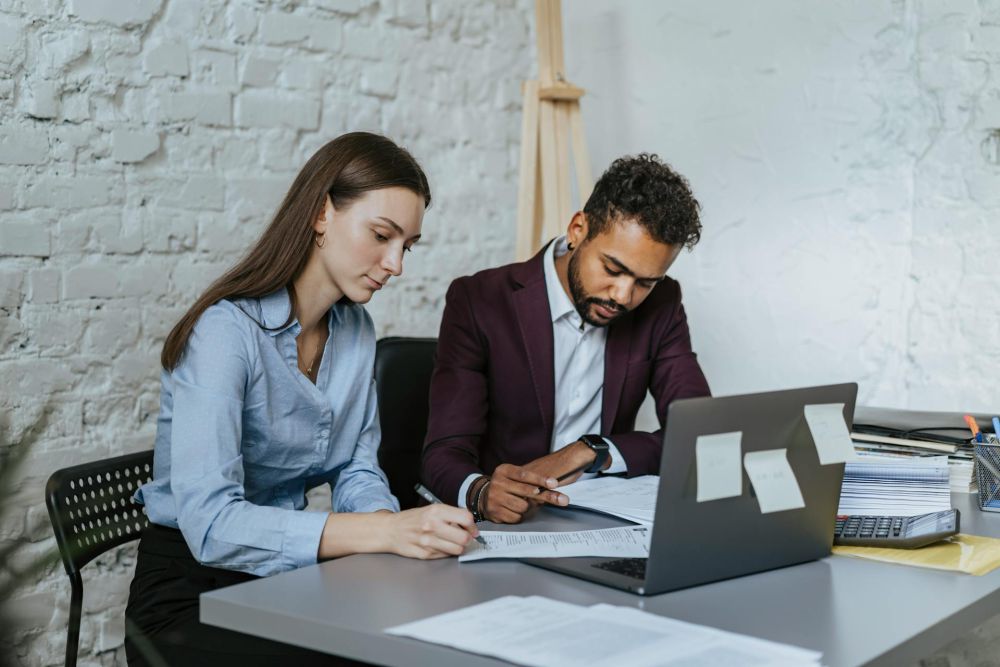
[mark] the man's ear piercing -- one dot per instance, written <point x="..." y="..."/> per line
<point x="569" y="246"/>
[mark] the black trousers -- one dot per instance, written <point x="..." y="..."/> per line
<point x="162" y="613"/>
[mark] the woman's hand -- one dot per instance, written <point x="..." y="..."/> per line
<point x="435" y="531"/>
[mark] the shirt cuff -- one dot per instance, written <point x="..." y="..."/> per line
<point x="463" y="491"/>
<point x="302" y="537"/>
<point x="375" y="504"/>
<point x="617" y="461"/>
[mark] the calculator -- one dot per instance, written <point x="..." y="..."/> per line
<point x="895" y="532"/>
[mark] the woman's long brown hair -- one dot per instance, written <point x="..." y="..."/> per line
<point x="344" y="169"/>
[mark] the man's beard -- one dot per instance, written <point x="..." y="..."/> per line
<point x="582" y="302"/>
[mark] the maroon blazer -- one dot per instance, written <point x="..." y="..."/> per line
<point x="492" y="396"/>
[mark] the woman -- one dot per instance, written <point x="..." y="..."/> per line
<point x="266" y="392"/>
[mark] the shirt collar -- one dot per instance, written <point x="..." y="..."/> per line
<point x="560" y="305"/>
<point x="275" y="309"/>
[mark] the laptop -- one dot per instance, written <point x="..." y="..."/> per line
<point x="695" y="543"/>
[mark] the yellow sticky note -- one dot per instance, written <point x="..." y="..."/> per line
<point x="829" y="433"/>
<point x="773" y="480"/>
<point x="717" y="458"/>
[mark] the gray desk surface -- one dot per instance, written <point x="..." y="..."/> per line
<point x="856" y="612"/>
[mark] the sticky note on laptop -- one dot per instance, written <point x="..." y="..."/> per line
<point x="829" y="432"/>
<point x="773" y="480"/>
<point x="717" y="459"/>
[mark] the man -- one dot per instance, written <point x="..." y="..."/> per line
<point x="542" y="365"/>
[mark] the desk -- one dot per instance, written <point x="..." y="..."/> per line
<point x="893" y="614"/>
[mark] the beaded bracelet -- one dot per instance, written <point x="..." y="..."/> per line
<point x="483" y="499"/>
<point x="477" y="515"/>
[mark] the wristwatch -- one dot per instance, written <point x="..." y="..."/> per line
<point x="600" y="448"/>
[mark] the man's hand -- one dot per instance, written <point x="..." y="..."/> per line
<point x="571" y="460"/>
<point x="514" y="490"/>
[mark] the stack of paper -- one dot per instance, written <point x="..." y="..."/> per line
<point x="540" y="632"/>
<point x="904" y="433"/>
<point x="887" y="486"/>
<point x="633" y="499"/>
<point x="962" y="475"/>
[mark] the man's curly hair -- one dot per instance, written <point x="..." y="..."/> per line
<point x="645" y="189"/>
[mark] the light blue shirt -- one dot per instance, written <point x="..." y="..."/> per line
<point x="243" y="434"/>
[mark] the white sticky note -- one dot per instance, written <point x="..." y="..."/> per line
<point x="773" y="480"/>
<point x="717" y="458"/>
<point x="829" y="432"/>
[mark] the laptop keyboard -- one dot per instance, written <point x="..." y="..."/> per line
<point x="630" y="567"/>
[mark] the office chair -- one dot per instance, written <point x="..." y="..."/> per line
<point x="403" y="369"/>
<point x="92" y="511"/>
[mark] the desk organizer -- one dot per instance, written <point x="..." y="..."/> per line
<point x="988" y="475"/>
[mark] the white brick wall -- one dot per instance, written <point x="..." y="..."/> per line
<point x="145" y="144"/>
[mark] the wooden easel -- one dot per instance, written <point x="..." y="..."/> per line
<point x="551" y="112"/>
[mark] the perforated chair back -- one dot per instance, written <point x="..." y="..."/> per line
<point x="403" y="368"/>
<point x="91" y="510"/>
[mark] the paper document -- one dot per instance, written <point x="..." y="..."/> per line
<point x="717" y="459"/>
<point x="829" y="433"/>
<point x="773" y="480"/>
<point x="624" y="542"/>
<point x="889" y="486"/>
<point x="633" y="499"/>
<point x="540" y="632"/>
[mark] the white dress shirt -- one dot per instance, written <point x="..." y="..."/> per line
<point x="578" y="358"/>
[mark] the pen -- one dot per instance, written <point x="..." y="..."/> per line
<point x="425" y="493"/>
<point x="573" y="472"/>
<point x="974" y="427"/>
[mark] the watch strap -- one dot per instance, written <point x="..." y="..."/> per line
<point x="600" y="449"/>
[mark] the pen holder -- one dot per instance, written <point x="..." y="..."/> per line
<point x="988" y="475"/>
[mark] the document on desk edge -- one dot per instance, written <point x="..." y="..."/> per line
<point x="624" y="542"/>
<point x="541" y="632"/>
<point x="633" y="499"/>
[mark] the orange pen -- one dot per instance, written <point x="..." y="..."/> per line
<point x="974" y="427"/>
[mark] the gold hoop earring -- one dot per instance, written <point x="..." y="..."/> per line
<point x="320" y="239"/>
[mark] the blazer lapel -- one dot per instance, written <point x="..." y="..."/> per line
<point x="616" y="356"/>
<point x="534" y="318"/>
